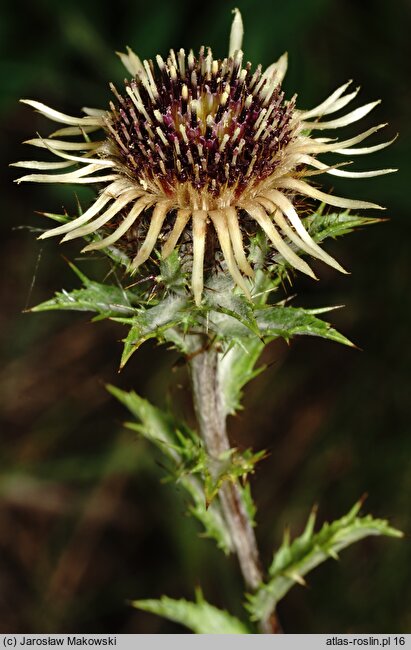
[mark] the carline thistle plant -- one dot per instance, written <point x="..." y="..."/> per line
<point x="203" y="162"/>
<point x="195" y="144"/>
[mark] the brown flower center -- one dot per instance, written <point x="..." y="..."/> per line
<point x="209" y="126"/>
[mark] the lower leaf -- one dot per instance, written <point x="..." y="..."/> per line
<point x="293" y="561"/>
<point x="199" y="616"/>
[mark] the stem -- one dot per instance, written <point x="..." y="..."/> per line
<point x="211" y="420"/>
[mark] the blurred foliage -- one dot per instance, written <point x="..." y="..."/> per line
<point x="181" y="446"/>
<point x="85" y="524"/>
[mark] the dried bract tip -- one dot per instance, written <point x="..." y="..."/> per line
<point x="237" y="33"/>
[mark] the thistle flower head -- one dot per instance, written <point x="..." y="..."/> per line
<point x="193" y="148"/>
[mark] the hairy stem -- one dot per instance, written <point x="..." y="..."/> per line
<point x="212" y="427"/>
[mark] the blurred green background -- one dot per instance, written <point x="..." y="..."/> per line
<point x="85" y="522"/>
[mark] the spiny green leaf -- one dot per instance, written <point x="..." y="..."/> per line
<point x="258" y="249"/>
<point x="236" y="368"/>
<point x="154" y="424"/>
<point x="171" y="273"/>
<point x="104" y="299"/>
<point x="236" y="365"/>
<point x="250" y="507"/>
<point x="176" y="442"/>
<point x="293" y="561"/>
<point x="321" y="226"/>
<point x="60" y="218"/>
<point x="210" y="517"/>
<point x="152" y="323"/>
<point x="228" y="323"/>
<point x="275" y="321"/>
<point x="200" y="616"/>
<point x="230" y="466"/>
<point x="240" y="325"/>
<point x="228" y="308"/>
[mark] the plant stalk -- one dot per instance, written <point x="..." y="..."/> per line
<point x="211" y="420"/>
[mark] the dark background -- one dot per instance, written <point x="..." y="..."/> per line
<point x="85" y="522"/>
